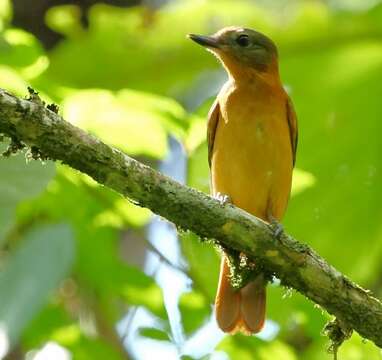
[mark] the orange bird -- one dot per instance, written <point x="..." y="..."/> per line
<point x="252" y="141"/>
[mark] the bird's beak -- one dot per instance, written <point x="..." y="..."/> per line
<point x="207" y="41"/>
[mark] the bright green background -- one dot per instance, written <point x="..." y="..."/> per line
<point x="133" y="79"/>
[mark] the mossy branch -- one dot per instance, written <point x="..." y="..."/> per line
<point x="29" y="122"/>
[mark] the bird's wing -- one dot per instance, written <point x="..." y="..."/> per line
<point x="213" y="120"/>
<point x="293" y="130"/>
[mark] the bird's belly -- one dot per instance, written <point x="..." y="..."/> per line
<point x="252" y="163"/>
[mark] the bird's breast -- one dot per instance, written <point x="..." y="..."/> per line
<point x="252" y="155"/>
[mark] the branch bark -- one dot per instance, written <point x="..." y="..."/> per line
<point x="294" y="263"/>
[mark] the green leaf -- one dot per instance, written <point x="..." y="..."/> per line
<point x="194" y="310"/>
<point x="98" y="250"/>
<point x="19" y="181"/>
<point x="153" y="333"/>
<point x="31" y="273"/>
<point x="134" y="121"/>
<point x="290" y="310"/>
<point x="166" y="110"/>
<point x="198" y="169"/>
<point x="188" y="357"/>
<point x="98" y="239"/>
<point x="197" y="133"/>
<point x="354" y="349"/>
<point x="22" y="51"/>
<point x="5" y="12"/>
<point x="12" y="81"/>
<point x="241" y="347"/>
<point x="141" y="289"/>
<point x="203" y="262"/>
<point x="95" y="348"/>
<point x="65" y="19"/>
<point x="52" y="322"/>
<point x="122" y="213"/>
<point x="104" y="207"/>
<point x="126" y="120"/>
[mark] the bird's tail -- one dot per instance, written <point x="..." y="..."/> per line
<point x="240" y="310"/>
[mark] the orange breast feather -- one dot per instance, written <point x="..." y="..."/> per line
<point x="251" y="153"/>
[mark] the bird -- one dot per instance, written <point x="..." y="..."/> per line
<point x="252" y="140"/>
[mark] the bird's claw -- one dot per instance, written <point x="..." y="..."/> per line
<point x="276" y="227"/>
<point x="224" y="199"/>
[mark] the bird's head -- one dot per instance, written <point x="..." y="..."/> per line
<point x="241" y="49"/>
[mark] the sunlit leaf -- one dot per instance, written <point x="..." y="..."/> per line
<point x="23" y="52"/>
<point x="12" y="81"/>
<point x="131" y="126"/>
<point x="302" y="180"/>
<point x="67" y="335"/>
<point x="123" y="212"/>
<point x="65" y="19"/>
<point x="196" y="134"/>
<point x="198" y="170"/>
<point x="5" y="12"/>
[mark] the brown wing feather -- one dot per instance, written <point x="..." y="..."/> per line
<point x="213" y="119"/>
<point x="293" y="130"/>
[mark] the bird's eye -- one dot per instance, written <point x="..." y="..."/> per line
<point x="243" y="40"/>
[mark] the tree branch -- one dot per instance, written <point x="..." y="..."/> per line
<point x="295" y="264"/>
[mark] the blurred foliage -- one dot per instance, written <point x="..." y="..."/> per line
<point x="31" y="273"/>
<point x="19" y="182"/>
<point x="247" y="348"/>
<point x="133" y="80"/>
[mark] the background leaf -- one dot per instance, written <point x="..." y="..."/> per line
<point x="31" y="274"/>
<point x="154" y="334"/>
<point x="19" y="182"/>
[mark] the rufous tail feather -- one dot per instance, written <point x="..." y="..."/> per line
<point x="240" y="310"/>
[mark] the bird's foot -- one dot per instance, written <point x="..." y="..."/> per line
<point x="224" y="199"/>
<point x="276" y="227"/>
